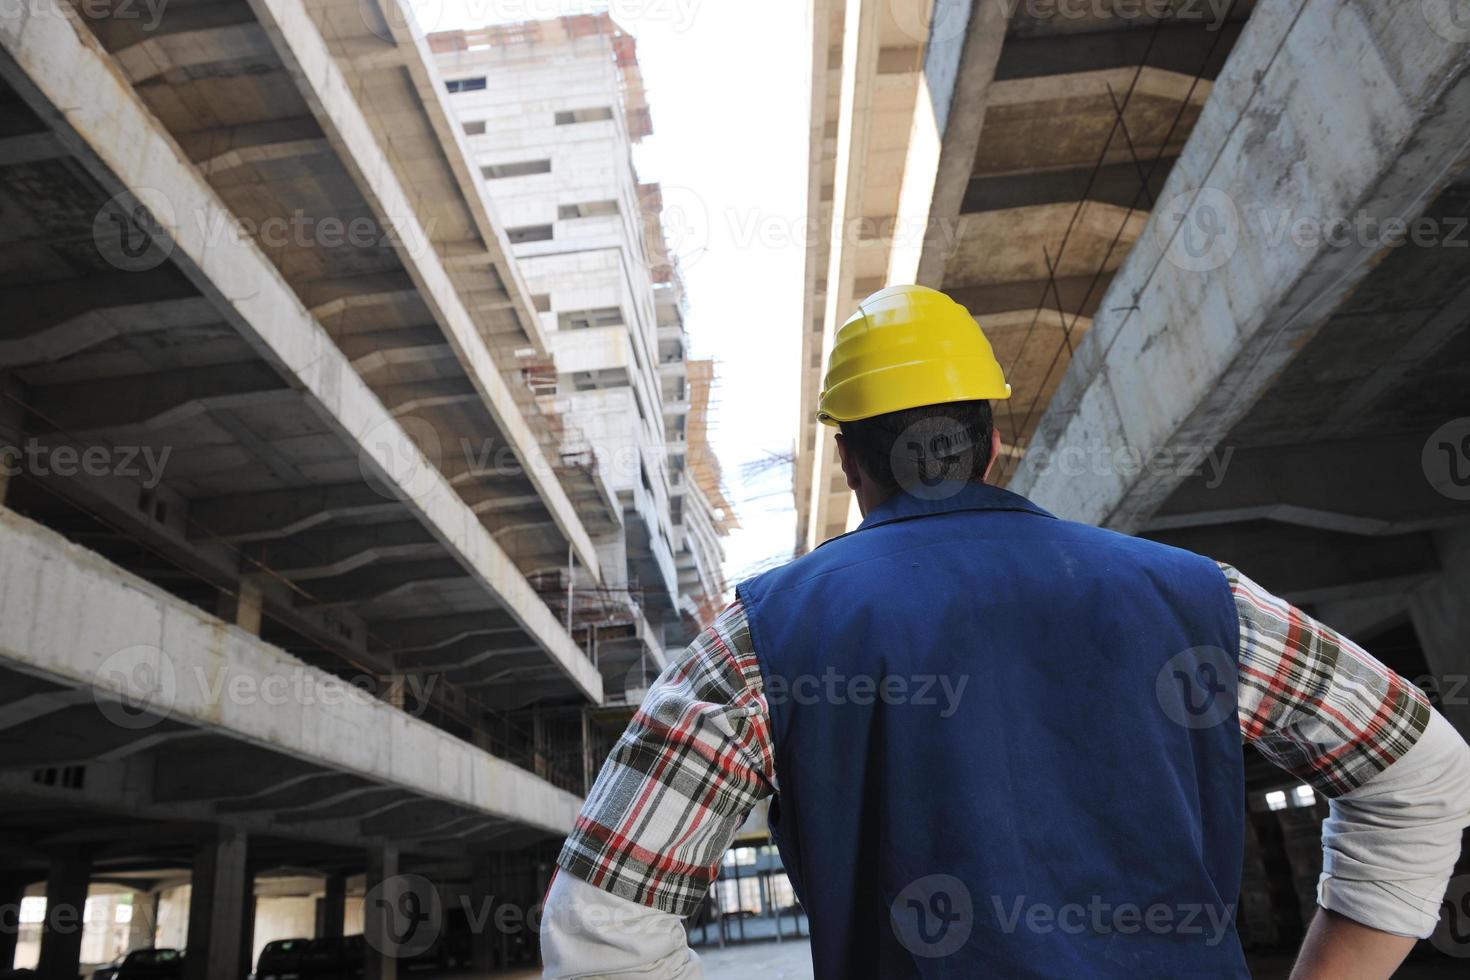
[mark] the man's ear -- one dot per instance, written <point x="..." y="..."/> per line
<point x="850" y="468"/>
<point x="994" y="453"/>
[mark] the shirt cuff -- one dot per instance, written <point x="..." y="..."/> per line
<point x="1390" y="846"/>
<point x="587" y="932"/>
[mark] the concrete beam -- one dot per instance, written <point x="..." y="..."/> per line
<point x="1183" y="47"/>
<point x="30" y="148"/>
<point x="154" y="401"/>
<point x="225" y="148"/>
<point x="1119" y="184"/>
<point x="1307" y="565"/>
<point x="98" y="612"/>
<point x="1185" y="344"/>
<point x="52" y="60"/>
<point x="1356" y="486"/>
<point x="71" y="333"/>
<point x="301" y="48"/>
<point x="948" y="115"/>
<point x="337" y="551"/>
<point x="286" y="513"/>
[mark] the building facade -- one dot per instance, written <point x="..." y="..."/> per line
<point x="551" y="112"/>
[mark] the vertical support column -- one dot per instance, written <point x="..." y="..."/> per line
<point x="12" y="890"/>
<point x="215" y="916"/>
<point x="247" y="924"/>
<point x="144" y="924"/>
<point x="482" y="916"/>
<point x="61" y="933"/>
<point x="1440" y="611"/>
<point x="502" y="934"/>
<point x="538" y="743"/>
<point x="588" y="771"/>
<point x="383" y="888"/>
<point x="12" y="439"/>
<point x="242" y="607"/>
<point x="331" y="908"/>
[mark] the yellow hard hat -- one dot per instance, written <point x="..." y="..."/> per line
<point x="908" y="346"/>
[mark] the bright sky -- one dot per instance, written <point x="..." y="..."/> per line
<point x="728" y="84"/>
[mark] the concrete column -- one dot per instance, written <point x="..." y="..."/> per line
<point x="482" y="918"/>
<point x="243" y="606"/>
<point x="1440" y="610"/>
<point x="11" y="442"/>
<point x="247" y="925"/>
<point x="215" y="915"/>
<point x="61" y="933"/>
<point x="144" y="924"/>
<point x="383" y="890"/>
<point x="12" y="890"/>
<point x="331" y="908"/>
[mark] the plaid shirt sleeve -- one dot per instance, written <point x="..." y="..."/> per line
<point x="693" y="762"/>
<point x="1314" y="702"/>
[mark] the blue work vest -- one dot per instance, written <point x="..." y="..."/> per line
<point x="1006" y="746"/>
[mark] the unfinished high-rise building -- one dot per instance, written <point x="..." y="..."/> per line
<point x="551" y="111"/>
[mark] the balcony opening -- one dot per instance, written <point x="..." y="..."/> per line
<point x="522" y="168"/>
<point x="574" y="116"/>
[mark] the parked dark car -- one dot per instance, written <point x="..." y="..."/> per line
<point x="282" y="959"/>
<point x="332" y="959"/>
<point x="144" y="964"/>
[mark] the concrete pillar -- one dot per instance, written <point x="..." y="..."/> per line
<point x="482" y="918"/>
<point x="144" y="924"/>
<point x="12" y="890"/>
<point x="243" y="606"/>
<point x="383" y="888"/>
<point x="331" y="908"/>
<point x="247" y="925"/>
<point x="61" y="933"/>
<point x="216" y="919"/>
<point x="11" y="444"/>
<point x="1440" y="610"/>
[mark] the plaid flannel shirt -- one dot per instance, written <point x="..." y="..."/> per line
<point x="697" y="756"/>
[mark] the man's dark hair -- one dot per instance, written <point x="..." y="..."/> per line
<point x="931" y="443"/>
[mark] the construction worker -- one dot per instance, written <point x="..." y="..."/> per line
<point x="998" y="743"/>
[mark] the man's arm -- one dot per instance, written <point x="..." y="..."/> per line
<point x="693" y="762"/>
<point x="1396" y="773"/>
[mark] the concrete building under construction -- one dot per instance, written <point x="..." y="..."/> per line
<point x="310" y="579"/>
